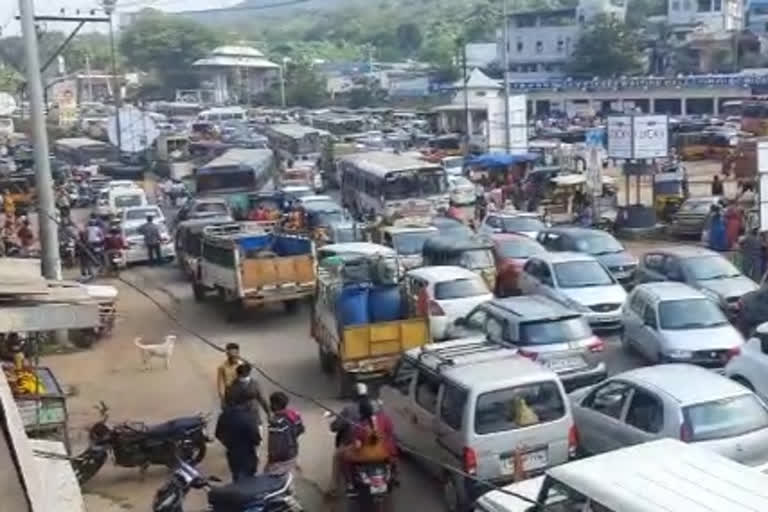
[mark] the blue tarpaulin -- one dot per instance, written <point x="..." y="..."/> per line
<point x="493" y="160"/>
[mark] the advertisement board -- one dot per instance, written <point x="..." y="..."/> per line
<point x="638" y="136"/>
<point x="518" y="124"/>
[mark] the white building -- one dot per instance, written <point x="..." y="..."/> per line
<point x="709" y="15"/>
<point x="541" y="41"/>
<point x="237" y="73"/>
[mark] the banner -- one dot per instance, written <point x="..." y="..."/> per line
<point x="518" y="124"/>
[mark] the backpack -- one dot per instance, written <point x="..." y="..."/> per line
<point x="282" y="439"/>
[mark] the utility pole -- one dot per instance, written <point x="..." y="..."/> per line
<point x="467" y="113"/>
<point x="505" y="56"/>
<point x="282" y="82"/>
<point x="109" y="8"/>
<point x="49" y="235"/>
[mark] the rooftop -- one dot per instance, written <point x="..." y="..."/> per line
<point x="669" y="290"/>
<point x="685" y="383"/>
<point x="533" y="307"/>
<point x="236" y="56"/>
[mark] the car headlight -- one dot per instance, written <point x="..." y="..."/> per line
<point x="679" y="354"/>
<point x="712" y="295"/>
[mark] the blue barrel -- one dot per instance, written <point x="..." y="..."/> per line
<point x="352" y="305"/>
<point x="385" y="304"/>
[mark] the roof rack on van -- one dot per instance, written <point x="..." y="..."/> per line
<point x="446" y="355"/>
<point x="238" y="228"/>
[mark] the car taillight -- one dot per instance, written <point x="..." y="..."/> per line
<point x="435" y="309"/>
<point x="530" y="355"/>
<point x="470" y="461"/>
<point x="573" y="441"/>
<point x="686" y="434"/>
<point x="596" y="345"/>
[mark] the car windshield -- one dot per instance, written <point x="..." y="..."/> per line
<point x="690" y="314"/>
<point x="125" y="201"/>
<point x="733" y="416"/>
<point x="460" y="288"/>
<point x="519" y="248"/>
<point x="476" y="259"/>
<point x="518" y="407"/>
<point x="709" y="267"/>
<point x="141" y="213"/>
<point x="412" y="184"/>
<point x="521" y="224"/>
<point x="598" y="243"/>
<point x="581" y="274"/>
<point x="410" y="243"/>
<point x="554" y="331"/>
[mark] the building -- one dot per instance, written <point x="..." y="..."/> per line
<point x="757" y="17"/>
<point x="541" y="41"/>
<point x="237" y="73"/>
<point x="709" y="15"/>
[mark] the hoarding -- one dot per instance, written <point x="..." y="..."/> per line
<point x="638" y="137"/>
<point x="518" y="124"/>
<point x="620" y="137"/>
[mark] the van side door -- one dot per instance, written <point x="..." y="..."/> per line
<point x="423" y="410"/>
<point x="450" y="428"/>
<point x="599" y="416"/>
<point x="397" y="398"/>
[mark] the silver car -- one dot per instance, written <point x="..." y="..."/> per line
<point x="579" y="282"/>
<point x="672" y="322"/>
<point x="679" y="401"/>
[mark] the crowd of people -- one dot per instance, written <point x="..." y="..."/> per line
<point x="364" y="434"/>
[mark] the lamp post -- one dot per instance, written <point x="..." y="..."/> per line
<point x="109" y="9"/>
<point x="282" y="81"/>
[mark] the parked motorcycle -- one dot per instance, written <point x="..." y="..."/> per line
<point x="136" y="445"/>
<point x="261" y="493"/>
<point x="68" y="252"/>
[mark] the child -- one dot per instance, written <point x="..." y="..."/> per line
<point x="285" y="427"/>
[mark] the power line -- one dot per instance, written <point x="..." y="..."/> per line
<point x="316" y="402"/>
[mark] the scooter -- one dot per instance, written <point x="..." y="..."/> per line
<point x="260" y="493"/>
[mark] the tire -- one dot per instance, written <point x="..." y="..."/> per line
<point x="291" y="306"/>
<point x="454" y="498"/>
<point x="84" y="338"/>
<point x="88" y="463"/>
<point x="327" y="361"/>
<point x="744" y="382"/>
<point x="346" y="383"/>
<point x="199" y="292"/>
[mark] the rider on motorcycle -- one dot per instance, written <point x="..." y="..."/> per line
<point x="114" y="245"/>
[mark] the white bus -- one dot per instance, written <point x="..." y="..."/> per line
<point x="219" y="114"/>
<point x="392" y="185"/>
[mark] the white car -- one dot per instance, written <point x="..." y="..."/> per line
<point x="577" y="281"/>
<point x="114" y="201"/>
<point x="750" y="366"/>
<point x="461" y="190"/>
<point x="451" y="293"/>
<point x="137" y="251"/>
<point x="138" y="215"/>
<point x="523" y="223"/>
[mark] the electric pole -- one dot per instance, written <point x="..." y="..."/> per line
<point x="109" y="8"/>
<point x="49" y="235"/>
<point x="505" y="56"/>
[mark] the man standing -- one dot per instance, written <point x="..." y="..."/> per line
<point x="151" y="233"/>
<point x="247" y="385"/>
<point x="717" y="186"/>
<point x="227" y="372"/>
<point x="239" y="433"/>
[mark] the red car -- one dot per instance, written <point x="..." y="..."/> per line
<point x="511" y="252"/>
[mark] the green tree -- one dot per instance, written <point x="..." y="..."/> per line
<point x="304" y="87"/>
<point x="607" y="48"/>
<point x="409" y="37"/>
<point x="440" y="49"/>
<point x="95" y="47"/>
<point x="10" y="80"/>
<point x="167" y="45"/>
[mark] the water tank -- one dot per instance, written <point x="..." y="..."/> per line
<point x="352" y="305"/>
<point x="385" y="303"/>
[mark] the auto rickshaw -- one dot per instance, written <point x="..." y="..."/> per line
<point x="668" y="191"/>
<point x="474" y="253"/>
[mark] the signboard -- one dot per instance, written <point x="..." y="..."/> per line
<point x="638" y="137"/>
<point x="518" y="124"/>
<point x="620" y="137"/>
<point x="650" y="137"/>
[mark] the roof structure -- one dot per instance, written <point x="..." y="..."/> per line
<point x="236" y="57"/>
<point x="478" y="80"/>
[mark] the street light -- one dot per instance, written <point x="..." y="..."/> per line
<point x="109" y="9"/>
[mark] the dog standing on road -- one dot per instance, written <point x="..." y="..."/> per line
<point x="162" y="351"/>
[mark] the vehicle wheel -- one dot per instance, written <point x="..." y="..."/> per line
<point x="193" y="452"/>
<point x="744" y="382"/>
<point x="199" y="291"/>
<point x="84" y="338"/>
<point x="327" y="361"/>
<point x="346" y="383"/>
<point x="453" y="496"/>
<point x="291" y="306"/>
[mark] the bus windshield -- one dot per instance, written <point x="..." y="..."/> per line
<point x="406" y="184"/>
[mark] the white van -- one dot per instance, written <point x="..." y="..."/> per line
<point x="113" y="201"/>
<point x="663" y="475"/>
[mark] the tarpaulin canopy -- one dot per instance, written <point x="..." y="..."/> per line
<point x="495" y="160"/>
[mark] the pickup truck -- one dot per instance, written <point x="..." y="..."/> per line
<point x="247" y="264"/>
<point x="358" y="352"/>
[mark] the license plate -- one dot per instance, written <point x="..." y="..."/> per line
<point x="563" y="364"/>
<point x="531" y="461"/>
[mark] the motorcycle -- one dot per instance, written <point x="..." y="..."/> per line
<point x="134" y="444"/>
<point x="67" y="252"/>
<point x="372" y="484"/>
<point x="261" y="493"/>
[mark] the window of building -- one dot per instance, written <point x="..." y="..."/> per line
<point x="703" y="5"/>
<point x="519" y="46"/>
<point x="675" y="5"/>
<point x="539" y="47"/>
<point x="560" y="46"/>
<point x="717" y="5"/>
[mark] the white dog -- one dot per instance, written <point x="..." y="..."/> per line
<point x="162" y="351"/>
